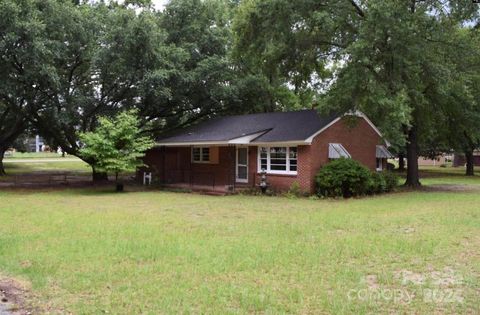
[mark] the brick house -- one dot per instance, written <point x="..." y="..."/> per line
<point x="230" y="152"/>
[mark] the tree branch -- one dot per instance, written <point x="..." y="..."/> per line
<point x="357" y="8"/>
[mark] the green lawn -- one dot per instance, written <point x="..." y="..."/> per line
<point x="451" y="175"/>
<point x="32" y="155"/>
<point x="91" y="251"/>
<point x="75" y="166"/>
<point x="26" y="165"/>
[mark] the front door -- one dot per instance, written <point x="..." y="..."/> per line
<point x="242" y="165"/>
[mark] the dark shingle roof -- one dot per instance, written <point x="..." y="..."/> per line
<point x="278" y="126"/>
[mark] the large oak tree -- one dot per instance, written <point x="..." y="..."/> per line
<point x="67" y="64"/>
<point x="23" y="66"/>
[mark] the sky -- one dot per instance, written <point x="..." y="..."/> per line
<point x="159" y="4"/>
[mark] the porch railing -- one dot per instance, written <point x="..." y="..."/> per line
<point x="192" y="178"/>
<point x="205" y="179"/>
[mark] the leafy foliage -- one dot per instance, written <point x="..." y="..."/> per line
<point x="12" y="125"/>
<point x="294" y="191"/>
<point x="378" y="184"/>
<point x="116" y="144"/>
<point x="383" y="182"/>
<point x="19" y="32"/>
<point x="115" y="59"/>
<point x="343" y="177"/>
<point x="347" y="178"/>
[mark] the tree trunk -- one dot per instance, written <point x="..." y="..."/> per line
<point x="401" y="162"/>
<point x="469" y="161"/>
<point x="2" y="169"/>
<point x="99" y="176"/>
<point x="413" y="178"/>
<point x="119" y="186"/>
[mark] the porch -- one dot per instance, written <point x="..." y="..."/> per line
<point x="219" y="169"/>
<point x="203" y="182"/>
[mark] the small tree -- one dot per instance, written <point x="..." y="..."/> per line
<point x="116" y="144"/>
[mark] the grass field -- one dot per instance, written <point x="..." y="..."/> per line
<point x="431" y="175"/>
<point x="25" y="163"/>
<point x="91" y="251"/>
<point x="32" y="155"/>
<point x="71" y="166"/>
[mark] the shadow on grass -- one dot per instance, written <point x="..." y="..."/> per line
<point x="90" y="190"/>
<point x="439" y="172"/>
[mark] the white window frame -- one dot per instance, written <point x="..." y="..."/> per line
<point x="201" y="154"/>
<point x="241" y="180"/>
<point x="287" y="172"/>
<point x="379" y="169"/>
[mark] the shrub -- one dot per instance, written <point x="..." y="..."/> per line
<point x="391" y="181"/>
<point x="343" y="177"/>
<point x="378" y="183"/>
<point x="383" y="182"/>
<point x="294" y="191"/>
<point x="348" y="178"/>
<point x="255" y="191"/>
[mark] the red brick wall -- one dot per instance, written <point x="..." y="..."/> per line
<point x="359" y="139"/>
<point x="173" y="164"/>
<point x="252" y="166"/>
<point x="222" y="173"/>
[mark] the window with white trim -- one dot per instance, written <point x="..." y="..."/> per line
<point x="200" y="154"/>
<point x="278" y="160"/>
<point x="379" y="164"/>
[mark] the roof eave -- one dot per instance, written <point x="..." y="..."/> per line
<point x="287" y="142"/>
<point x="226" y="143"/>
<point x="190" y="143"/>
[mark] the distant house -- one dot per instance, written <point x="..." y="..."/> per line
<point x="459" y="159"/>
<point x="231" y="152"/>
<point x="35" y="144"/>
<point x="440" y="160"/>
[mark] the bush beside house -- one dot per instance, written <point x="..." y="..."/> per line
<point x="348" y="178"/>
